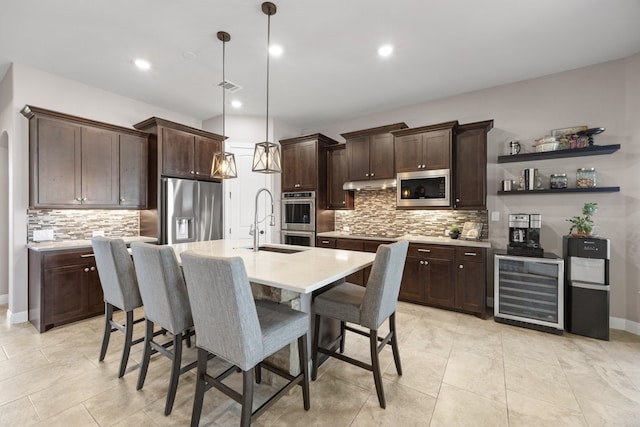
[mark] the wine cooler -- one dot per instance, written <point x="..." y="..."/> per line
<point x="529" y="291"/>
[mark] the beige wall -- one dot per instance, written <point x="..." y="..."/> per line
<point x="603" y="95"/>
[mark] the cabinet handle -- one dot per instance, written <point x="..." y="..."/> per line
<point x="92" y="269"/>
<point x="344" y="203"/>
<point x="461" y="266"/>
<point x="122" y="199"/>
<point x="424" y="166"/>
<point x="325" y="242"/>
<point x="84" y="199"/>
<point x="424" y="250"/>
<point x="421" y="262"/>
<point x="372" y="174"/>
<point x="192" y="172"/>
<point x="366" y="174"/>
<point x="457" y="200"/>
<point x="87" y="256"/>
<point x="470" y="254"/>
<point x="86" y="270"/>
<point x="296" y="185"/>
<point x="78" y="199"/>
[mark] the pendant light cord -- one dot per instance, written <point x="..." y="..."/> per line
<point x="268" y="46"/>
<point x="224" y="103"/>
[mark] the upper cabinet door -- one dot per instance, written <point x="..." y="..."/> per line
<point x="55" y="163"/>
<point x="358" y="158"/>
<point x="133" y="171"/>
<point x="299" y="166"/>
<point x="205" y="148"/>
<point x="100" y="167"/>
<point x="437" y="149"/>
<point x="409" y="153"/>
<point x="381" y="157"/>
<point x="471" y="170"/>
<point x="337" y="198"/>
<point x="177" y="153"/>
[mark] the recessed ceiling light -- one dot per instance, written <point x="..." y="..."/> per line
<point x="385" y="50"/>
<point x="275" y="50"/>
<point x="236" y="104"/>
<point x="142" y="64"/>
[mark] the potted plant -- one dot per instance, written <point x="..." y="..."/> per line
<point x="582" y="226"/>
<point x="454" y="231"/>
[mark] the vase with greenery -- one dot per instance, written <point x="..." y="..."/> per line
<point x="582" y="226"/>
<point x="454" y="231"/>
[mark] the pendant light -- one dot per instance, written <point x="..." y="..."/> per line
<point x="266" y="156"/>
<point x="224" y="164"/>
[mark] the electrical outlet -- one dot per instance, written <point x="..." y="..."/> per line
<point x="495" y="216"/>
<point x="446" y="232"/>
<point x="97" y="233"/>
<point x="41" y="235"/>
<point x="346" y="228"/>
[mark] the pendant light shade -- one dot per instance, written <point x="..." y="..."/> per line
<point x="266" y="155"/>
<point x="223" y="165"/>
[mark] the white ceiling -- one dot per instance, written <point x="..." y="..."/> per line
<point x="330" y="70"/>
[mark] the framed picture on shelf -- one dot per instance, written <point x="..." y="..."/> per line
<point x="471" y="230"/>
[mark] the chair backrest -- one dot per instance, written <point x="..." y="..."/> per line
<point x="116" y="272"/>
<point x="162" y="287"/>
<point x="381" y="295"/>
<point x="224" y="312"/>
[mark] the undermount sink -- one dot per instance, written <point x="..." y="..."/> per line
<point x="275" y="249"/>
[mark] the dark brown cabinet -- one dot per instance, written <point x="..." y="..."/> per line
<point x="63" y="287"/>
<point x="446" y="277"/>
<point x="133" y="171"/>
<point x="471" y="280"/>
<point x="299" y="165"/>
<point x="470" y="171"/>
<point x="337" y="198"/>
<point x="424" y="148"/>
<point x="428" y="276"/>
<point x="186" y="155"/>
<point x="76" y="162"/>
<point x="370" y="153"/>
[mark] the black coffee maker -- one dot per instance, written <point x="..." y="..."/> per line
<point x="524" y="235"/>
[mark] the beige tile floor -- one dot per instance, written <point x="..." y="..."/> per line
<point x="458" y="371"/>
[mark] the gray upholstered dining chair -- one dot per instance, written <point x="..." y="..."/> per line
<point x="368" y="307"/>
<point x="166" y="303"/>
<point x="231" y="325"/>
<point x="120" y="289"/>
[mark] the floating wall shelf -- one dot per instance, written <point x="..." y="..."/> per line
<point x="593" y="150"/>
<point x="561" y="190"/>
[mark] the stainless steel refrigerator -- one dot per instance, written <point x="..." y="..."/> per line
<point x="191" y="211"/>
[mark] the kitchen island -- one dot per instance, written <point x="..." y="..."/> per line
<point x="289" y="275"/>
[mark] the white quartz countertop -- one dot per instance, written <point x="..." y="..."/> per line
<point x="302" y="272"/>
<point x="80" y="244"/>
<point x="411" y="238"/>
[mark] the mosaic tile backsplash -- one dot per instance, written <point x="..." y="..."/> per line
<point x="375" y="214"/>
<point x="78" y="224"/>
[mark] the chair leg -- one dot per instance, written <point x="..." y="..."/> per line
<point x="314" y="350"/>
<point x="188" y="334"/>
<point x="394" y="343"/>
<point x="127" y="343"/>
<point x="304" y="370"/>
<point x="108" y="316"/>
<point x="175" y="373"/>
<point x="146" y="356"/>
<point x="258" y="373"/>
<point x="247" y="397"/>
<point x="375" y="365"/>
<point x="201" y="387"/>
<point x="343" y="329"/>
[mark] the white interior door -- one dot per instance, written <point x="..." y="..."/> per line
<point x="240" y="196"/>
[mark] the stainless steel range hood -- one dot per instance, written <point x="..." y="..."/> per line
<point x="374" y="184"/>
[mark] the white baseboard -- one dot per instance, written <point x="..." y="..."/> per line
<point x="625" y="325"/>
<point x="20" y="317"/>
<point x="4" y="299"/>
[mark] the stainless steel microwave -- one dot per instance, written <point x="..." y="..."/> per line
<point x="424" y="188"/>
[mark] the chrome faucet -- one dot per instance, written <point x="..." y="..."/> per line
<point x="254" y="227"/>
